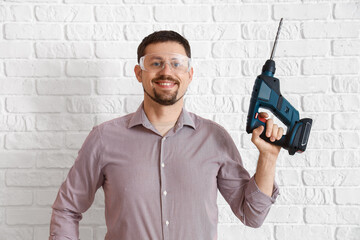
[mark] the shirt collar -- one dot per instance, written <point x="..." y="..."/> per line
<point x="139" y="117"/>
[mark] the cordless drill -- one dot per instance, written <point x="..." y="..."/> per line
<point x="266" y="94"/>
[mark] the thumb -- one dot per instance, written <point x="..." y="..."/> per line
<point x="256" y="133"/>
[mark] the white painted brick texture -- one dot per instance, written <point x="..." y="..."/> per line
<point x="67" y="65"/>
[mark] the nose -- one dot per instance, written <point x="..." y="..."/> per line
<point x="166" y="69"/>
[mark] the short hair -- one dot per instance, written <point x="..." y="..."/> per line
<point x="163" y="36"/>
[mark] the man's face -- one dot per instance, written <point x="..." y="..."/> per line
<point x="165" y="86"/>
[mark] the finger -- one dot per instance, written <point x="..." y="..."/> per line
<point x="256" y="134"/>
<point x="274" y="133"/>
<point x="269" y="127"/>
<point x="263" y="115"/>
<point x="280" y="133"/>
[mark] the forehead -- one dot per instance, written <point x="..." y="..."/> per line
<point x="160" y="47"/>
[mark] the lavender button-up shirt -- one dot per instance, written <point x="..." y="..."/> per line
<point x="160" y="188"/>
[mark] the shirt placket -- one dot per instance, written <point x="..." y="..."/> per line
<point x="164" y="192"/>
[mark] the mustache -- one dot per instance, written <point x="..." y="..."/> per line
<point x="164" y="77"/>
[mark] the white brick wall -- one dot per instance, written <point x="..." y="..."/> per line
<point x="67" y="65"/>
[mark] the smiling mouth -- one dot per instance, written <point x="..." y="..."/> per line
<point x="166" y="84"/>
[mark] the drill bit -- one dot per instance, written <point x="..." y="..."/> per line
<point x="276" y="38"/>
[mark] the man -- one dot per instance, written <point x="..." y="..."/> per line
<point x="161" y="166"/>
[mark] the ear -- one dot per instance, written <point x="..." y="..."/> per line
<point x="191" y="73"/>
<point x="138" y="73"/>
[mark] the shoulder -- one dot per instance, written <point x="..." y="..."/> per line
<point x="207" y="125"/>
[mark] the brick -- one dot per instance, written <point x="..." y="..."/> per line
<point x="174" y="26"/>
<point x="33" y="141"/>
<point x="300" y="232"/>
<point x="200" y="49"/>
<point x="129" y="68"/>
<point x="68" y="86"/>
<point x="122" y="14"/>
<point x="17" y="86"/>
<point x="17" y="123"/>
<point x="347" y="11"/>
<point x="332" y="215"/>
<point x="302" y="48"/>
<point x="63" y="50"/>
<point x="346" y="47"/>
<point x="15" y="197"/>
<point x="211" y="104"/>
<point x="104" y="32"/>
<point x="17" y="159"/>
<point x="93" y="68"/>
<point x="284" y="214"/>
<point x="328" y="140"/>
<point x="45" y="197"/>
<point x="9" y="50"/>
<point x="330" y="29"/>
<point x="305" y="196"/>
<point x="348" y="233"/>
<point x="93" y="1"/>
<point x="152" y="1"/>
<point x="340" y="121"/>
<point x="231" y="86"/>
<point x="32" y="31"/>
<point x="240" y="50"/>
<point x="33" y="68"/>
<point x="136" y="32"/>
<point x="217" y="68"/>
<point x="75" y="140"/>
<point x="56" y="160"/>
<point x="347" y="158"/>
<point x="123" y="86"/>
<point x="16" y="233"/>
<point x="331" y="103"/>
<point x="31" y="216"/>
<point x="199" y="86"/>
<point x="15" y="13"/>
<point x="233" y="231"/>
<point x="32" y="178"/>
<point x="289" y="67"/>
<point x="338" y="177"/>
<point x="212" y="32"/>
<point x="178" y="13"/>
<point x="347" y="196"/>
<point x="132" y="103"/>
<point x="287" y="178"/>
<point x="267" y="31"/>
<point x="94" y="216"/>
<point x="63" y="122"/>
<point x="302" y="11"/>
<point x="310" y="158"/>
<point x="330" y="66"/>
<point x="35" y="104"/>
<point x="116" y="50"/>
<point x="321" y="121"/>
<point x="305" y="84"/>
<point x="59" y="13"/>
<point x="346" y="84"/>
<point x="95" y="105"/>
<point x="241" y="13"/>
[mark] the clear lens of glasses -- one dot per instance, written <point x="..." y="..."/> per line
<point x="155" y="62"/>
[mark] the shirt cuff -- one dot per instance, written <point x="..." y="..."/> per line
<point x="259" y="200"/>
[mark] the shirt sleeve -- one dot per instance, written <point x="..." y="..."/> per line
<point x="240" y="191"/>
<point x="77" y="192"/>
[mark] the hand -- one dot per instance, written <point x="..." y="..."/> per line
<point x="273" y="132"/>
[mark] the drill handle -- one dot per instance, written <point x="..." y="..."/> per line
<point x="261" y="121"/>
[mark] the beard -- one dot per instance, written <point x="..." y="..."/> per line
<point x="164" y="99"/>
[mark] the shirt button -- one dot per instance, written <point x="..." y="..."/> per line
<point x="165" y="192"/>
<point x="163" y="164"/>
<point x="167" y="223"/>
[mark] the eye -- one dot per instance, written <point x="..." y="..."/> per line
<point x="156" y="64"/>
<point x="176" y="64"/>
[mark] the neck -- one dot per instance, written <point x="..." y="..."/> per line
<point x="158" y="113"/>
